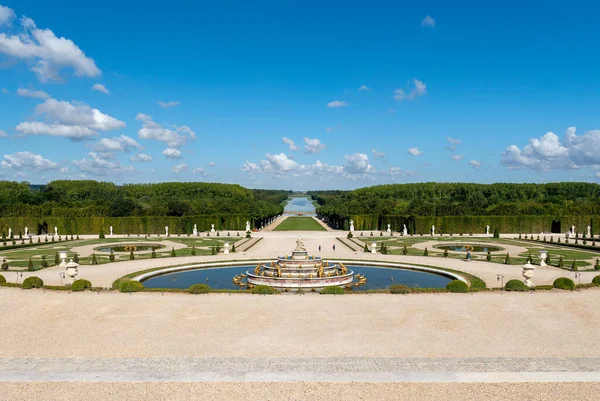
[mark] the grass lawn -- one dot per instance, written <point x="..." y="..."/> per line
<point x="299" y="224"/>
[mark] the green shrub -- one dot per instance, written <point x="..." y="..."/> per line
<point x="4" y="265"/>
<point x="101" y="235"/>
<point x="334" y="290"/>
<point x="366" y="248"/>
<point x="404" y="250"/>
<point x="233" y="248"/>
<point x="111" y="257"/>
<point x="515" y="285"/>
<point x="595" y="280"/>
<point x="457" y="286"/>
<point x="399" y="289"/>
<point x="193" y="252"/>
<point x="507" y="259"/>
<point x="574" y="266"/>
<point x="131" y="286"/>
<point x="56" y="259"/>
<point x="153" y="254"/>
<point x="76" y="258"/>
<point x="519" y="236"/>
<point x="349" y="235"/>
<point x="30" y="265"/>
<point x="561" y="262"/>
<point x="131" y="255"/>
<point x="173" y="254"/>
<point x="488" y="257"/>
<point x="263" y="289"/>
<point x="248" y="235"/>
<point x="564" y="283"/>
<point x="496" y="233"/>
<point x="548" y="261"/>
<point x="596" y="266"/>
<point x="199" y="289"/>
<point x="44" y="261"/>
<point x="3" y="280"/>
<point x="81" y="285"/>
<point x="94" y="260"/>
<point x="425" y="253"/>
<point x="32" y="282"/>
<point x="445" y="253"/>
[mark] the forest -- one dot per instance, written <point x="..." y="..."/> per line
<point x="86" y="205"/>
<point x="463" y="206"/>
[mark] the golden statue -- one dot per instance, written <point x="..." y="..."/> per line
<point x="320" y="272"/>
<point x="257" y="270"/>
<point x="278" y="271"/>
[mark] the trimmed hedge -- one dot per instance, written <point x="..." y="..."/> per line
<point x="334" y="290"/>
<point x="199" y="289"/>
<point x="595" y="280"/>
<point x="564" y="283"/>
<point x="263" y="289"/>
<point x="457" y="286"/>
<point x="3" y="280"/>
<point x="399" y="289"/>
<point x="515" y="285"/>
<point x="131" y="286"/>
<point x="81" y="285"/>
<point x="32" y="282"/>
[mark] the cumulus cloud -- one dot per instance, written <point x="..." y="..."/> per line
<point x="5" y="91"/>
<point x="141" y="157"/>
<point x="475" y="164"/>
<point x="290" y="143"/>
<point x="174" y="137"/>
<point x="364" y="88"/>
<point x="414" y="152"/>
<point x="453" y="143"/>
<point x="336" y="103"/>
<point x="32" y="93"/>
<point x="3" y="134"/>
<point x="212" y="164"/>
<point x="313" y="146"/>
<point x="428" y="22"/>
<point x="6" y="15"/>
<point x="394" y="171"/>
<point x="199" y="171"/>
<point x="179" y="168"/>
<point x="250" y="167"/>
<point x="50" y="53"/>
<point x="549" y="152"/>
<point x="358" y="164"/>
<point x="122" y="143"/>
<point x="100" y="88"/>
<point x="419" y="89"/>
<point x="172" y="153"/>
<point x="95" y="164"/>
<point x="457" y="158"/>
<point x="27" y="161"/>
<point x="168" y="105"/>
<point x="378" y="155"/>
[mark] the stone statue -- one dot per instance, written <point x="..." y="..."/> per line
<point x="9" y="232"/>
<point x="373" y="247"/>
<point x="573" y="230"/>
<point x="248" y="226"/>
<point x="432" y="230"/>
<point x="487" y="229"/>
<point x="389" y="229"/>
<point x="351" y="226"/>
<point x="167" y="231"/>
<point x="195" y="230"/>
<point x="212" y="228"/>
<point x="26" y="231"/>
<point x="589" y="231"/>
<point x="300" y="244"/>
<point x="55" y="231"/>
<point x="404" y="230"/>
<point x="111" y="230"/>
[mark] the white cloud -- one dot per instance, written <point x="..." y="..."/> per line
<point x="5" y="91"/>
<point x="549" y="152"/>
<point x="378" y="155"/>
<point x="475" y="164"/>
<point x="597" y="174"/>
<point x="75" y="121"/>
<point x="453" y="141"/>
<point x="3" y="134"/>
<point x="6" y="15"/>
<point x="313" y="146"/>
<point x="27" y="161"/>
<point x="168" y="105"/>
<point x="141" y="157"/>
<point x="394" y="171"/>
<point x="364" y="88"/>
<point x="457" y="158"/>
<point x="64" y="170"/>
<point x="250" y="167"/>
<point x="419" y="89"/>
<point x="358" y="164"/>
<point x="50" y="52"/>
<point x="336" y="103"/>
<point x="428" y="22"/>
<point x="95" y="164"/>
<point x="212" y="164"/>
<point x="122" y="143"/>
<point x="100" y="88"/>
<point x="414" y="152"/>
<point x="200" y="171"/>
<point x="179" y="168"/>
<point x="32" y="93"/>
<point x="290" y="143"/>
<point x="281" y="162"/>
<point x="173" y="137"/>
<point x="172" y="153"/>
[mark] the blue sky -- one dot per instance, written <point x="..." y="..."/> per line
<point x="364" y="93"/>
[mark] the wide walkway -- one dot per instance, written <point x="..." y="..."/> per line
<point x="280" y="243"/>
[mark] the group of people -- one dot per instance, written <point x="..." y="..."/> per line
<point x="332" y="247"/>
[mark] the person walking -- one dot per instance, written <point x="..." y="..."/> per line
<point x="319" y="248"/>
<point x="468" y="255"/>
<point x="334" y="247"/>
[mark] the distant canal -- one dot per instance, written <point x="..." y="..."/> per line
<point x="300" y="205"/>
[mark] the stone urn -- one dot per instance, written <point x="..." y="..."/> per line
<point x="226" y="248"/>
<point x="528" y="269"/>
<point x="72" y="271"/>
<point x="373" y="247"/>
<point x="543" y="256"/>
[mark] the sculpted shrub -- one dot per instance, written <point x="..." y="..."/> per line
<point x="263" y="289"/>
<point x="335" y="290"/>
<point x="457" y="286"/>
<point x="515" y="285"/>
<point x="595" y="280"/>
<point x="131" y="286"/>
<point x="3" y="280"/>
<point x="32" y="282"/>
<point x="199" y="289"/>
<point x="399" y="289"/>
<point x="564" y="283"/>
<point x="81" y="285"/>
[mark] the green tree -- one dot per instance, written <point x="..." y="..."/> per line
<point x="94" y="260"/>
<point x="111" y="257"/>
<point x="101" y="235"/>
<point x="404" y="250"/>
<point x="507" y="259"/>
<point x="561" y="262"/>
<point x="366" y="248"/>
<point x="173" y="252"/>
<point x="445" y="253"/>
<point x="548" y="260"/>
<point x="30" y="265"/>
<point x="153" y="254"/>
<point x="44" y="262"/>
<point x="76" y="258"/>
<point x="496" y="233"/>
<point x="193" y="251"/>
<point x="574" y="266"/>
<point x="425" y="253"/>
<point x="233" y="248"/>
<point x="131" y="255"/>
<point x="488" y="257"/>
<point x="56" y="258"/>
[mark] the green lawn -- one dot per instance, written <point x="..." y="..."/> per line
<point x="299" y="224"/>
